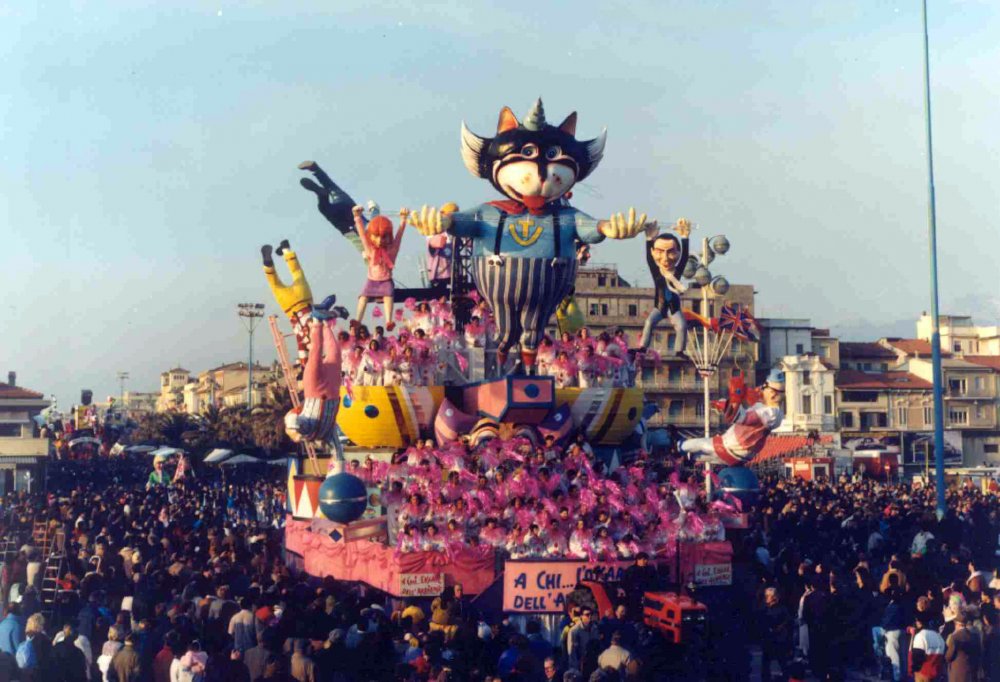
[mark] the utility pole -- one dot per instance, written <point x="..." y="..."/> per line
<point x="935" y="329"/>
<point x="251" y="314"/>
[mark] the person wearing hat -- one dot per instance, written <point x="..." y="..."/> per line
<point x="747" y="435"/>
<point x="158" y="476"/>
<point x="963" y="652"/>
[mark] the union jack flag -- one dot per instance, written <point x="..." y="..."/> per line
<point x="736" y="319"/>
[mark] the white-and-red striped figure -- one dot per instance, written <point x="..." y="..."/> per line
<point x="317" y="417"/>
<point x="745" y="438"/>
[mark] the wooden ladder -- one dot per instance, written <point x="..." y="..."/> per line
<point x="8" y="547"/>
<point x="50" y="583"/>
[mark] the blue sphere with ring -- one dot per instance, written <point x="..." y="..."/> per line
<point x="343" y="498"/>
<point x="741" y="483"/>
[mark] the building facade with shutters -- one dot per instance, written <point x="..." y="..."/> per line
<point x="609" y="302"/>
<point x="24" y="451"/>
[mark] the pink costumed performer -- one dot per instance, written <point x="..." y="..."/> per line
<point x="317" y="417"/>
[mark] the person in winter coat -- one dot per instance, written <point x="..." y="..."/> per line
<point x="964" y="651"/>
<point x="775" y="633"/>
<point x="68" y="661"/>
<point x="126" y="666"/>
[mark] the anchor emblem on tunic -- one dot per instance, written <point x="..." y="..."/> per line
<point x="525" y="237"/>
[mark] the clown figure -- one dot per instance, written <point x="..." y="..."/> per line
<point x="524" y="247"/>
<point x="746" y="437"/>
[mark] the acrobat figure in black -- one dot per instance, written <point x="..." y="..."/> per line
<point x="666" y="256"/>
<point x="333" y="202"/>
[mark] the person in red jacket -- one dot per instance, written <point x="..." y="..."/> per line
<point x="927" y="649"/>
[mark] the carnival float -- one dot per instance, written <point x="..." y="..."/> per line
<point x="477" y="445"/>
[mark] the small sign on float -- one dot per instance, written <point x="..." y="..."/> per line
<point x="421" y="584"/>
<point x="711" y="575"/>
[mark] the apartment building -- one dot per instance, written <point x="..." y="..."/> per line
<point x="23" y="451"/>
<point x="960" y="335"/>
<point x="610" y="302"/>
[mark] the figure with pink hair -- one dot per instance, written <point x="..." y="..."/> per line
<point x="380" y="249"/>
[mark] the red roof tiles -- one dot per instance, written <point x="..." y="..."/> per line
<point x="991" y="361"/>
<point x="918" y="347"/>
<point x="852" y="350"/>
<point x="896" y="381"/>
<point x="782" y="446"/>
<point x="17" y="393"/>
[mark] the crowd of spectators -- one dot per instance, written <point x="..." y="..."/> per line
<point x="858" y="574"/>
<point x="188" y="583"/>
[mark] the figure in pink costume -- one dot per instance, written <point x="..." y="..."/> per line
<point x="745" y="438"/>
<point x="316" y="419"/>
<point x="380" y="249"/>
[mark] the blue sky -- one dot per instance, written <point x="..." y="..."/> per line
<point x="148" y="150"/>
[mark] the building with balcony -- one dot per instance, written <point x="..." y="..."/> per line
<point x="986" y="447"/>
<point x="810" y="395"/>
<point x="23" y="450"/>
<point x="960" y="335"/>
<point x="226" y="385"/>
<point x="867" y="357"/>
<point x="609" y="302"/>
<point x="971" y="399"/>
<point x="172" y="384"/>
<point x="136" y="403"/>
<point x="869" y="402"/>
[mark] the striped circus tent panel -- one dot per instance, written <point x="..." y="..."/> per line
<point x="425" y="402"/>
<point x="305" y="490"/>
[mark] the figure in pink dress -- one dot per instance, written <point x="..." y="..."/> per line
<point x="380" y="249"/>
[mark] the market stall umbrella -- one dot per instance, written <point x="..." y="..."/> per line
<point x="241" y="459"/>
<point x="217" y="455"/>
<point x="165" y="452"/>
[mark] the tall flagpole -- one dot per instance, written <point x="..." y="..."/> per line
<point x="935" y="330"/>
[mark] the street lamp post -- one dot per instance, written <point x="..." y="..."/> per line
<point x="251" y="314"/>
<point x="122" y="378"/>
<point x="710" y="247"/>
<point x="935" y="331"/>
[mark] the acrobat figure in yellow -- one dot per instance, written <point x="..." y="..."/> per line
<point x="295" y="299"/>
